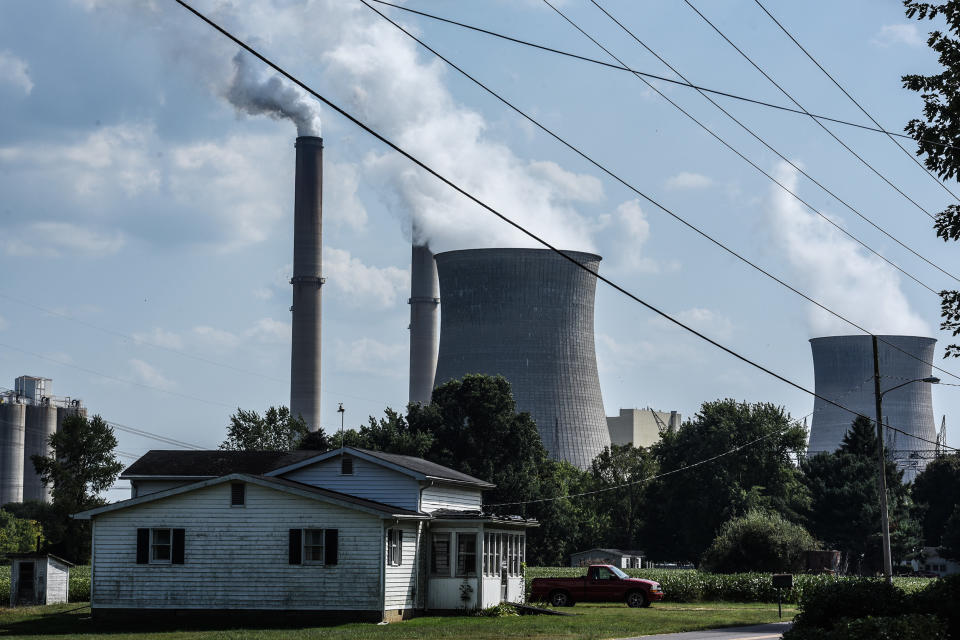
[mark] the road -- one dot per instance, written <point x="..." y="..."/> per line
<point x="754" y="632"/>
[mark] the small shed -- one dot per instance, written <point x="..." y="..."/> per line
<point x="38" y="578"/>
<point x="625" y="559"/>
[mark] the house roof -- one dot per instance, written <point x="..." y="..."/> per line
<point x="280" y="484"/>
<point x="479" y="516"/>
<point x="210" y="464"/>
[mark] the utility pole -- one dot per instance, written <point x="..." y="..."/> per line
<point x="884" y="516"/>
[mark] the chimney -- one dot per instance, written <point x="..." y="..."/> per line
<point x="306" y="281"/>
<point x="424" y="300"/>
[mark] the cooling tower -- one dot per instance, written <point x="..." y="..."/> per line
<point x="40" y="424"/>
<point x="843" y="372"/>
<point x="306" y="281"/>
<point x="12" y="418"/>
<point x="527" y="314"/>
<point x="424" y="300"/>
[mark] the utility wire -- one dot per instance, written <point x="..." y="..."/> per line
<point x="654" y="76"/>
<point x="433" y="172"/>
<point x="820" y="124"/>
<point x="762" y="141"/>
<point x="854" y="101"/>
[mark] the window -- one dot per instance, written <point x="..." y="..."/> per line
<point x="314" y="546"/>
<point x="487" y="554"/>
<point x="440" y="554"/>
<point x="238" y="494"/>
<point x="466" y="554"/>
<point x="160" y="545"/>
<point x="394" y="547"/>
<point x="346" y="466"/>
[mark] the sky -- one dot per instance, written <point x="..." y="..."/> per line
<point x="146" y="194"/>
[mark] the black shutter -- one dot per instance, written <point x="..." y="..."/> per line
<point x="329" y="546"/>
<point x="296" y="546"/>
<point x="177" y="551"/>
<point x="143" y="546"/>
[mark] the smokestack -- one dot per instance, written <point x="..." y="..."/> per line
<point x="424" y="300"/>
<point x="306" y="281"/>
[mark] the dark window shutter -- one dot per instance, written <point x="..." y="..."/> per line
<point x="296" y="546"/>
<point x="330" y="546"/>
<point x="179" y="536"/>
<point x="143" y="546"/>
<point x="237" y="494"/>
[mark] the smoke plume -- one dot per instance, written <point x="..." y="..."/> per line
<point x="251" y="94"/>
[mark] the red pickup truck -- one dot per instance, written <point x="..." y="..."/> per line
<point x="603" y="583"/>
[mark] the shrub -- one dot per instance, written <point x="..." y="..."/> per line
<point x="826" y="605"/>
<point x="942" y="599"/>
<point x="758" y="541"/>
<point x="927" y="627"/>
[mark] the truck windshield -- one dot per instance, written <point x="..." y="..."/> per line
<point x="618" y="573"/>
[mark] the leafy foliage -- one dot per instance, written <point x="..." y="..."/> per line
<point x="876" y="628"/>
<point x="18" y="534"/>
<point x="936" y="492"/>
<point x="758" y="541"/>
<point x="276" y="430"/>
<point x="950" y="541"/>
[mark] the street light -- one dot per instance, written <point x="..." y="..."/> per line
<point x="341" y="411"/>
<point x="884" y="516"/>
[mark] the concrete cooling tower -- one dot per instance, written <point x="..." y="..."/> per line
<point x="527" y="314"/>
<point x="843" y="372"/>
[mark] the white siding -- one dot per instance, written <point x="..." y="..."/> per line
<point x="58" y="582"/>
<point x="401" y="580"/>
<point x="237" y="558"/>
<point x="445" y="593"/>
<point x="369" y="480"/>
<point x="446" y="496"/>
<point x="144" y="487"/>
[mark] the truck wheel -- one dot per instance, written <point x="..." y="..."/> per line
<point x="560" y="599"/>
<point x="637" y="599"/>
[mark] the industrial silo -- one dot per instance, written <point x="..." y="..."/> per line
<point x="843" y="372"/>
<point x="12" y="419"/>
<point x="527" y="314"/>
<point x="39" y="425"/>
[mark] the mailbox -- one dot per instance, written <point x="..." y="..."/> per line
<point x="783" y="581"/>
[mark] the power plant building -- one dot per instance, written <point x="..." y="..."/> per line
<point x="843" y="372"/>
<point x="424" y="323"/>
<point x="527" y="314"/>
<point x="641" y="427"/>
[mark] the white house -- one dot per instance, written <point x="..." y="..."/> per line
<point x="930" y="561"/>
<point x="629" y="559"/>
<point x="367" y="534"/>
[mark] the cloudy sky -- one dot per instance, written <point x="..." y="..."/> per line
<point x="146" y="194"/>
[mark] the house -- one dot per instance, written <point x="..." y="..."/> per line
<point x="352" y="532"/>
<point x="630" y="559"/>
<point x="38" y="578"/>
<point x="930" y="561"/>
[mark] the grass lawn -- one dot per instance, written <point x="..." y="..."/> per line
<point x="591" y="620"/>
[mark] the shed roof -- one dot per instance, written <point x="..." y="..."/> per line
<point x="616" y="552"/>
<point x="39" y="554"/>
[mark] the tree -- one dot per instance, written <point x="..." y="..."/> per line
<point x="81" y="466"/>
<point x="758" y="541"/>
<point x="950" y="541"/>
<point x="19" y="534"/>
<point x="685" y="510"/>
<point x="622" y="510"/>
<point x="392" y="433"/>
<point x="938" y="137"/>
<point x="276" y="430"/>
<point x="936" y="492"/>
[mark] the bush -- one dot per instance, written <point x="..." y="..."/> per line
<point x="758" y="541"/>
<point x="825" y="605"/>
<point x="942" y="599"/>
<point x="927" y="627"/>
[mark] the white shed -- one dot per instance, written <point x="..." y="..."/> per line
<point x="38" y="578"/>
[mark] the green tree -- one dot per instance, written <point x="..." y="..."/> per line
<point x="950" y="541"/>
<point x="276" y="430"/>
<point x="938" y="133"/>
<point x="19" y="534"/>
<point x="620" y="511"/>
<point x="391" y="433"/>
<point x="758" y="541"/>
<point x="685" y="510"/>
<point x="81" y="466"/>
<point x="936" y="492"/>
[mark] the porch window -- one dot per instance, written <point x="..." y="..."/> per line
<point x="440" y="554"/>
<point x="466" y="554"/>
<point x="487" y="553"/>
<point x="394" y="547"/>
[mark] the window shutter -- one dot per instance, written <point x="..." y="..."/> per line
<point x="329" y="546"/>
<point x="143" y="546"/>
<point x="176" y="554"/>
<point x="296" y="546"/>
<point x="399" y="546"/>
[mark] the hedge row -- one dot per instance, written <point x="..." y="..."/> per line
<point x="79" y="584"/>
<point x="697" y="586"/>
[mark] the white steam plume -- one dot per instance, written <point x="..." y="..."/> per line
<point x="250" y="93"/>
<point x="837" y="272"/>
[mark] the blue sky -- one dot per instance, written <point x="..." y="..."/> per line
<point x="146" y="223"/>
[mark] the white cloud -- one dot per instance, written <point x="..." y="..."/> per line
<point x="150" y="375"/>
<point x="3" y="323"/>
<point x="836" y="272"/>
<point x="159" y="337"/>
<point x="365" y="286"/>
<point x="342" y="206"/>
<point x="712" y="324"/>
<point x="263" y="293"/>
<point x="216" y="338"/>
<point x="892" y="34"/>
<point x="54" y="239"/>
<point x="633" y="233"/>
<point x="686" y="180"/>
<point x="268" y="330"/>
<point x="15" y="72"/>
<point x="371" y="357"/>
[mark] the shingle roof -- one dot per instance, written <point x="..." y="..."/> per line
<point x="210" y="464"/>
<point x="427" y="468"/>
<point x="344" y="497"/>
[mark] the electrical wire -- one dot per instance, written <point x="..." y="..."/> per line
<point x="433" y="172"/>
<point x="791" y="98"/>
<point x="854" y="101"/>
<point x="762" y="141"/>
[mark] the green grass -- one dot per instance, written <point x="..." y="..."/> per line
<point x="590" y="621"/>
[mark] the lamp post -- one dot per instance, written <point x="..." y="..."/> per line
<point x="884" y="515"/>
<point x="341" y="411"/>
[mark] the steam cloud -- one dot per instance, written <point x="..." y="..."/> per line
<point x="251" y="94"/>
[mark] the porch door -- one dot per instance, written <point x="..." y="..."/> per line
<point x="25" y="591"/>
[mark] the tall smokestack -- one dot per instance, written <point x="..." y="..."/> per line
<point x="424" y="300"/>
<point x="306" y="281"/>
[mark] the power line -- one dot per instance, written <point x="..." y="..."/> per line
<point x="386" y="141"/>
<point x="768" y="146"/>
<point x="820" y="124"/>
<point x="654" y="76"/>
<point x="854" y="101"/>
